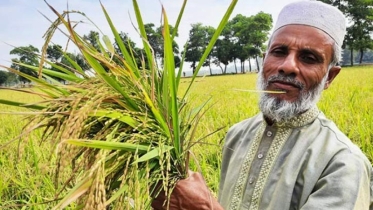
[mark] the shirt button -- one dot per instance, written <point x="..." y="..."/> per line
<point x="251" y="180"/>
<point x="269" y="133"/>
<point x="260" y="155"/>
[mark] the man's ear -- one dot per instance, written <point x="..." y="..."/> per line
<point x="333" y="72"/>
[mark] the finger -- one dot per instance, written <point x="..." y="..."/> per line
<point x="190" y="173"/>
<point x="198" y="177"/>
<point x="161" y="196"/>
<point x="160" y="203"/>
<point x="157" y="205"/>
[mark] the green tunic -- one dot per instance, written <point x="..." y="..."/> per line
<point x="303" y="163"/>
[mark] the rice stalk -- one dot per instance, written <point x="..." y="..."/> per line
<point x="122" y="135"/>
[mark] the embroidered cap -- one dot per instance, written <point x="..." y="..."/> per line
<point x="316" y="14"/>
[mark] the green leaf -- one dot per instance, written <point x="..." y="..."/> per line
<point x="108" y="145"/>
<point x="153" y="154"/>
<point x="66" y="77"/>
<point x="60" y="68"/>
<point x="19" y="104"/>
<point x="178" y="77"/>
<point x="51" y="80"/>
<point x="97" y="67"/>
<point x="53" y="73"/>
<point x="102" y="49"/>
<point x="127" y="57"/>
<point x="211" y="44"/>
<point x="108" y="44"/>
<point x="115" y="115"/>
<point x="157" y="114"/>
<point x="76" y="65"/>
<point x="140" y="23"/>
<point x="116" y="195"/>
<point x="170" y="84"/>
<point x="179" y="19"/>
<point x="36" y="80"/>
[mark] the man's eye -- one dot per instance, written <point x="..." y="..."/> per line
<point x="278" y="52"/>
<point x="308" y="58"/>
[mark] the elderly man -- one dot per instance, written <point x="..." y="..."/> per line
<point x="290" y="156"/>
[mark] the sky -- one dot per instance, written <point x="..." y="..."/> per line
<point x="22" y="24"/>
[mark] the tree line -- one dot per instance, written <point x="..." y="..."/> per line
<point x="242" y="40"/>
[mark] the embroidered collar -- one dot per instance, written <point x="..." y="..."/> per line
<point x="301" y="120"/>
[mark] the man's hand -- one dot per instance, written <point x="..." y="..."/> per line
<point x="189" y="194"/>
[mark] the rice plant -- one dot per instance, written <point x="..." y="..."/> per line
<point x="123" y="134"/>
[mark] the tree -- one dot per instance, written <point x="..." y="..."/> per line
<point x="222" y="53"/>
<point x="78" y="58"/>
<point x="237" y="25"/>
<point x="341" y="4"/>
<point x="199" y="37"/>
<point x="156" y="41"/>
<point x="349" y="42"/>
<point x="54" y="52"/>
<point x="210" y="32"/>
<point x="260" y="25"/>
<point x="130" y="46"/>
<point x="360" y="17"/>
<point x="253" y="52"/>
<point x="3" y="77"/>
<point x="27" y="55"/>
<point x="55" y="55"/>
<point x="12" y="79"/>
<point x="368" y="56"/>
<point x="175" y="46"/>
<point x="235" y="48"/>
<point x="361" y="14"/>
<point x="250" y="33"/>
<point x="226" y="49"/>
<point x="93" y="38"/>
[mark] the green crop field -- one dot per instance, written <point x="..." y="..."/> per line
<point x="27" y="166"/>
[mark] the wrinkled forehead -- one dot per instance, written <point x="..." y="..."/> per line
<point x="302" y="33"/>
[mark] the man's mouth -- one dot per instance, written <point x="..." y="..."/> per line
<point x="284" y="86"/>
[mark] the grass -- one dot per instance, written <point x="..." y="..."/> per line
<point x="26" y="176"/>
<point x="349" y="104"/>
<point x="27" y="172"/>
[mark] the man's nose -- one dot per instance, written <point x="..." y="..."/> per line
<point x="289" y="66"/>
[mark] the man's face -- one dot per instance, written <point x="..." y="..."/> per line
<point x="297" y="63"/>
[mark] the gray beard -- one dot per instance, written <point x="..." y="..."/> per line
<point x="280" y="110"/>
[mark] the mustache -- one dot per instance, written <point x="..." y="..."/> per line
<point x="285" y="79"/>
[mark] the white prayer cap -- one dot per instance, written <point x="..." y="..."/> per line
<point x="316" y="14"/>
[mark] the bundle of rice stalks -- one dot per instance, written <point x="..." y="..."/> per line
<point x="122" y="134"/>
